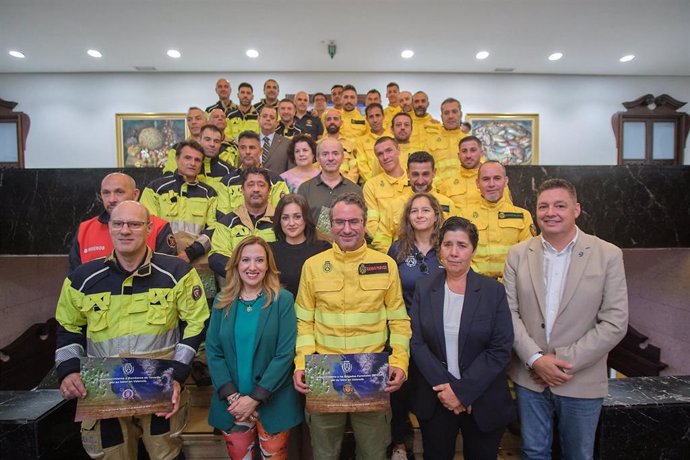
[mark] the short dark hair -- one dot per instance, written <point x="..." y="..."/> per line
<point x="469" y="139"/>
<point x="244" y="84"/>
<point x="383" y="139"/>
<point x="299" y="200"/>
<point x="421" y="157"/>
<point x="401" y="114"/>
<point x="350" y="198"/>
<point x="551" y="184"/>
<point x="188" y="143"/>
<point x="249" y="135"/>
<point x="373" y="105"/>
<point x="300" y="138"/>
<point x="374" y="91"/>
<point x="453" y="224"/>
<point x="393" y="84"/>
<point x="319" y="94"/>
<point x="336" y="86"/>
<point x="255" y="170"/>
<point x="349" y="88"/>
<point x="466" y="124"/>
<point x="448" y="100"/>
<point x="273" y="80"/>
<point x="213" y="128"/>
<point x="285" y="99"/>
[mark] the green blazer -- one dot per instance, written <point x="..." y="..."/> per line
<point x="274" y="351"/>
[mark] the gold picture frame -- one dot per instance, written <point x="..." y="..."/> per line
<point x="510" y="138"/>
<point x="143" y="139"/>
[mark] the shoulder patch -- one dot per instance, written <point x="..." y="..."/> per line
<point x="171" y="241"/>
<point x="196" y="292"/>
<point x="327" y="266"/>
<point x="372" y="269"/>
<point x="510" y="215"/>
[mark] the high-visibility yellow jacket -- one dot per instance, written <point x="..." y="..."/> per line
<point x="354" y="124"/>
<point x="383" y="195"/>
<point x="388" y="113"/>
<point x="500" y="225"/>
<point x="442" y="144"/>
<point x="348" y="302"/>
<point x="367" y="163"/>
<point x="105" y="312"/>
<point x="189" y="207"/>
<point x="230" y="195"/>
<point x="239" y="121"/>
<point x="462" y="189"/>
<point x="233" y="228"/>
<point x="420" y="133"/>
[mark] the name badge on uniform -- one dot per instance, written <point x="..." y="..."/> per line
<point x="510" y="215"/>
<point x="372" y="269"/>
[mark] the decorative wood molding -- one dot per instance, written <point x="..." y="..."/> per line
<point x="23" y="125"/>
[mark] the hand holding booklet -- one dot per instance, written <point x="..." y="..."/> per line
<point x="122" y="387"/>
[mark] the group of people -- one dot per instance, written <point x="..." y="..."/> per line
<point x="352" y="239"/>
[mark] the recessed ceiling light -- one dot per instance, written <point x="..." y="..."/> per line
<point x="94" y="53"/>
<point x="555" y="56"/>
<point x="627" y="58"/>
<point x="407" y="54"/>
<point x="252" y="53"/>
<point x="174" y="54"/>
<point x="17" y="54"/>
<point x="482" y="55"/>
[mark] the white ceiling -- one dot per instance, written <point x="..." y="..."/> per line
<point x="291" y="35"/>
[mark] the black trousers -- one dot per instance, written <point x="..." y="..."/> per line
<point x="440" y="431"/>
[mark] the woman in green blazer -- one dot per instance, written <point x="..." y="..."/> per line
<point x="250" y="346"/>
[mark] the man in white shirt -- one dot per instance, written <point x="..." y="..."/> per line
<point x="568" y="297"/>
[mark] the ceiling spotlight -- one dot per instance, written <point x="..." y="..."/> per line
<point x="17" y="54"/>
<point x="555" y="56"/>
<point x="174" y="54"/>
<point x="252" y="53"/>
<point x="627" y="58"/>
<point x="94" y="53"/>
<point x="407" y="54"/>
<point x="482" y="55"/>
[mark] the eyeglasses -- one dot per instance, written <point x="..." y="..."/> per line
<point x="422" y="265"/>
<point x="354" y="223"/>
<point x="132" y="224"/>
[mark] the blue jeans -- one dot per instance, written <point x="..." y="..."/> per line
<point x="577" y="424"/>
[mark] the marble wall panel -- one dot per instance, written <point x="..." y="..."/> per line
<point x="631" y="206"/>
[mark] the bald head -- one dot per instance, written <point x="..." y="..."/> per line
<point x="130" y="225"/>
<point x="117" y="187"/>
<point x="217" y="118"/>
<point x="333" y="121"/>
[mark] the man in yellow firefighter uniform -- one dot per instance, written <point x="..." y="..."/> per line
<point x="350" y="301"/>
<point x="133" y="303"/>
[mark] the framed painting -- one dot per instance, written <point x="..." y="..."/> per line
<point x="143" y="139"/>
<point x="510" y="138"/>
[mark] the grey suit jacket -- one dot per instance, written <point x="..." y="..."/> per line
<point x="277" y="155"/>
<point x="591" y="320"/>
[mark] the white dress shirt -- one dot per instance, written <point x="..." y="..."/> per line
<point x="452" y="311"/>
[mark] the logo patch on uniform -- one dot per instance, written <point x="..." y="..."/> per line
<point x="410" y="261"/>
<point x="510" y="215"/>
<point x="357" y="122"/>
<point x="171" y="241"/>
<point x="196" y="292"/>
<point x="381" y="184"/>
<point x="445" y="208"/>
<point x="327" y="267"/>
<point x="475" y="214"/>
<point x="372" y="269"/>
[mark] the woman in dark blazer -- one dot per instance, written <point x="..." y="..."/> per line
<point x="250" y="346"/>
<point x="462" y="336"/>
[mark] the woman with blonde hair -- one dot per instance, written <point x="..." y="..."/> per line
<point x="250" y="346"/>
